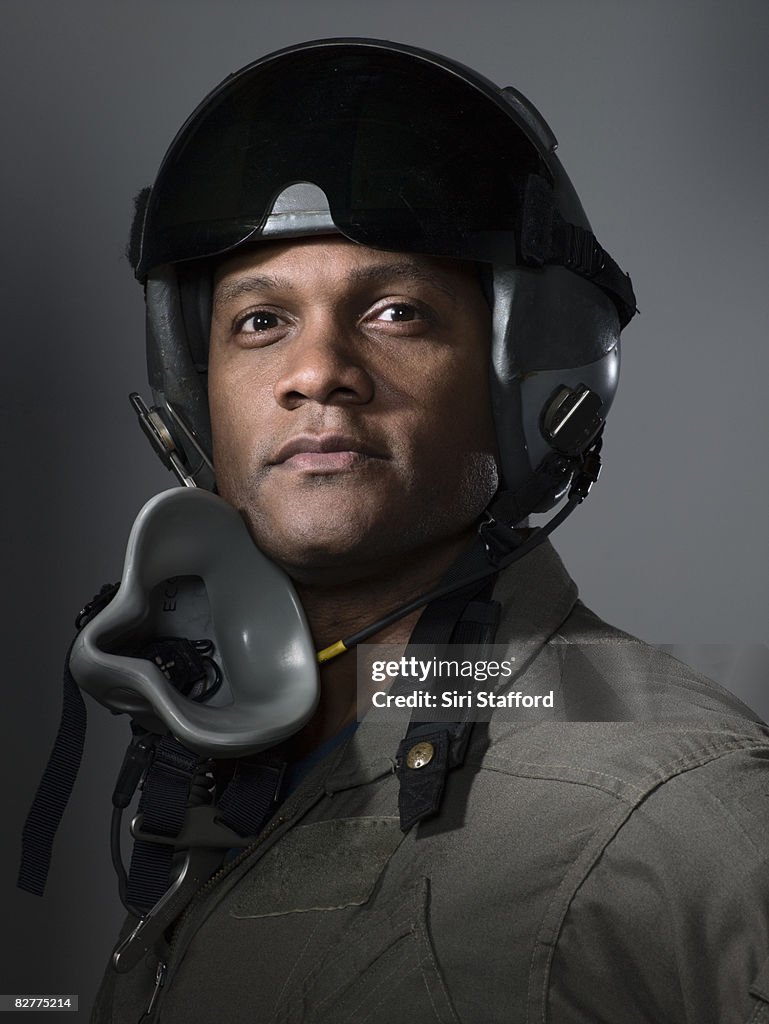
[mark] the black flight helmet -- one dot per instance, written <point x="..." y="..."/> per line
<point x="399" y="149"/>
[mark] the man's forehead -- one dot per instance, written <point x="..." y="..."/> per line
<point x="286" y="265"/>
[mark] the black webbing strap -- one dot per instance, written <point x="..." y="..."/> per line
<point x="162" y="806"/>
<point x="247" y="802"/>
<point x="251" y="795"/>
<point x="545" y="237"/>
<point x="59" y="776"/>
<point x="463" y="618"/>
<point x="54" y="790"/>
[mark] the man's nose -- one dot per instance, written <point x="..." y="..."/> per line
<point x="324" y="363"/>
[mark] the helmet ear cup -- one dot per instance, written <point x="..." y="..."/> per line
<point x="571" y="420"/>
<point x="551" y="331"/>
<point x="178" y="323"/>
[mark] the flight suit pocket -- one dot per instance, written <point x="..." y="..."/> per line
<point x="327" y="865"/>
<point x="330" y="926"/>
<point x="382" y="968"/>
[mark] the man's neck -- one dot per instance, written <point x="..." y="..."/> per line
<point x="337" y="610"/>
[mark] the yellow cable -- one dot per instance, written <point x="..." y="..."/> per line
<point x="331" y="652"/>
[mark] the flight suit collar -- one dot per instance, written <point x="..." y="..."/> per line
<point x="536" y="596"/>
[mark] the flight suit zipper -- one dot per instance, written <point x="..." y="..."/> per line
<point x="166" y="966"/>
<point x="176" y="946"/>
<point x="175" y="949"/>
<point x="160" y="979"/>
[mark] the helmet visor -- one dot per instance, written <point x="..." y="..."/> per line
<point x="413" y="153"/>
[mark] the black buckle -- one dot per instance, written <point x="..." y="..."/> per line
<point x="588" y="472"/>
<point x="196" y="869"/>
<point x="95" y="605"/>
<point x="201" y="828"/>
<point x="498" y="539"/>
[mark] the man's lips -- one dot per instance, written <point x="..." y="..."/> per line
<point x="325" y="452"/>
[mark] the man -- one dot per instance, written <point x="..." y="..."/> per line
<point x="332" y="243"/>
<point x="326" y="402"/>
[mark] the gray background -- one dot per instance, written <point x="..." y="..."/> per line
<point x="661" y="111"/>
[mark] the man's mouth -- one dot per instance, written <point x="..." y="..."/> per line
<point x="325" y="453"/>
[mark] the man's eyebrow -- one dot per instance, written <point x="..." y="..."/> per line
<point x="230" y="291"/>
<point x="402" y="269"/>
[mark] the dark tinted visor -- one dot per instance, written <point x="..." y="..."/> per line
<point x="413" y="154"/>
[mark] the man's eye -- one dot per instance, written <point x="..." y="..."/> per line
<point x="262" y="320"/>
<point x="399" y="312"/>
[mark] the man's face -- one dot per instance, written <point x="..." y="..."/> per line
<point x="350" y="403"/>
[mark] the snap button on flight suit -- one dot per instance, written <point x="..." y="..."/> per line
<point x="420" y="755"/>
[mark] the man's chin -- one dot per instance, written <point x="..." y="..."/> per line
<point x="325" y="556"/>
<point x="329" y="567"/>
<point x="341" y="543"/>
<point x="374" y="558"/>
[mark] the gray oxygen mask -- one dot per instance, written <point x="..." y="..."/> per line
<point x="195" y="582"/>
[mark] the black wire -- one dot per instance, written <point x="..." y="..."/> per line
<point x="583" y="480"/>
<point x="117" y="860"/>
<point x="531" y="542"/>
